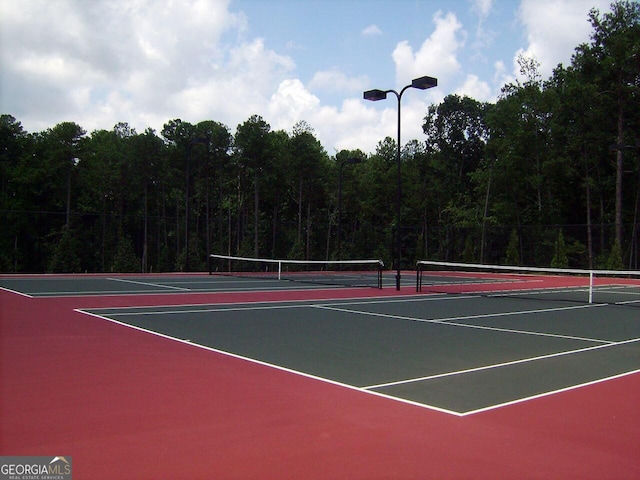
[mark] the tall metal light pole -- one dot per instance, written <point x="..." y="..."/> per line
<point x="421" y="83"/>
<point x="348" y="161"/>
<point x="186" y="201"/>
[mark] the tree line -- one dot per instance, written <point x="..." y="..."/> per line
<point x="549" y="174"/>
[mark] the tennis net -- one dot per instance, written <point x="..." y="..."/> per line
<point x="566" y="284"/>
<point x="351" y="273"/>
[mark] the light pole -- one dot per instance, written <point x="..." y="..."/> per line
<point x="421" y="83"/>
<point x="186" y="201"/>
<point x="348" y="161"/>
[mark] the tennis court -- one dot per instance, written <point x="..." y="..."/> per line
<point x="142" y="285"/>
<point x="259" y="365"/>
<point x="457" y="354"/>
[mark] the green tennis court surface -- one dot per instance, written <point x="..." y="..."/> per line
<point x="459" y="354"/>
<point x="118" y="284"/>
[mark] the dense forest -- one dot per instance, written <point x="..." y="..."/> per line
<point x="547" y="175"/>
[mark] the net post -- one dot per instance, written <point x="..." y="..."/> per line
<point x="590" y="286"/>
<point x="380" y="274"/>
<point x="418" y="277"/>
<point x="279" y="270"/>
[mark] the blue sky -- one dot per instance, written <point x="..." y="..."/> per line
<point x="145" y="62"/>
<point x="357" y="37"/>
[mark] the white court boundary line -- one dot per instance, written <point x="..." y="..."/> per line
<point x="16" y="292"/>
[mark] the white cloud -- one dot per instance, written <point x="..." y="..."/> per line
<point x="554" y="28"/>
<point x="108" y="61"/>
<point x="336" y="81"/>
<point x="475" y="88"/>
<point x="483" y="37"/>
<point x="353" y="125"/>
<point x="502" y="75"/>
<point x="481" y="7"/>
<point x="336" y="126"/>
<point x="437" y="56"/>
<point x="291" y="103"/>
<point x="371" y="30"/>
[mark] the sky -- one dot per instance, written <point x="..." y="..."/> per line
<point x="146" y="62"/>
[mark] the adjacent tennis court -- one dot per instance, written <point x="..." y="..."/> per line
<point x="140" y="285"/>
<point x="529" y="369"/>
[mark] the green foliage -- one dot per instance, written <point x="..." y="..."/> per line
<point x="615" y="258"/>
<point x="65" y="257"/>
<point x="468" y="254"/>
<point x="513" y="250"/>
<point x="296" y="252"/>
<point x="125" y="259"/>
<point x="560" y="258"/>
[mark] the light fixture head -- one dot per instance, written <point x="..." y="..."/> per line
<point x="423" y="83"/>
<point x="375" y="95"/>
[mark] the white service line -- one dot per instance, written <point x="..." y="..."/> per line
<point x="447" y="321"/>
<point x="208" y="309"/>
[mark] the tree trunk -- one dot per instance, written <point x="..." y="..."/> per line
<point x="177" y="229"/>
<point x="207" y="221"/>
<point x="104" y="234"/>
<point x="256" y="208"/>
<point x="634" y="236"/>
<point x="146" y="230"/>
<point x="229" y="230"/>
<point x="274" y="230"/>
<point x="308" y="241"/>
<point x="300" y="212"/>
<point x="619" y="165"/>
<point x="484" y="217"/>
<point x="328" y="249"/>
<point x="589" y="233"/>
